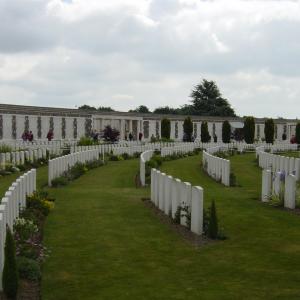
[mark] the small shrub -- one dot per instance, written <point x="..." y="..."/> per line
<point x="59" y="181"/>
<point x="34" y="201"/>
<point x="24" y="228"/>
<point x="213" y="222"/>
<point x="28" y="268"/>
<point x="232" y="179"/>
<point x="10" y="274"/>
<point x="94" y="164"/>
<point x="177" y="216"/>
<point x="86" y="141"/>
<point x="76" y="171"/>
<point x="186" y="212"/>
<point x="126" y="156"/>
<point x="34" y="215"/>
<point x="113" y="158"/>
<point x="158" y="159"/>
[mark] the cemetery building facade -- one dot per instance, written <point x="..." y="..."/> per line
<point x="74" y="123"/>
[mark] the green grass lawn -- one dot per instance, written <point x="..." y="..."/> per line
<point x="105" y="244"/>
<point x="290" y="154"/>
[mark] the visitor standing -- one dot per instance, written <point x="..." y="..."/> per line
<point x="50" y="135"/>
<point x="140" y="136"/>
<point x="130" y="136"/>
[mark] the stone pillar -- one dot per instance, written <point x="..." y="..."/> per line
<point x="122" y="129"/>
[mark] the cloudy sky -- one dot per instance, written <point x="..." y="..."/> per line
<point x="124" y="53"/>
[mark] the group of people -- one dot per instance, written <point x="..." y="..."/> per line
<point x="27" y="136"/>
<point x="130" y="136"/>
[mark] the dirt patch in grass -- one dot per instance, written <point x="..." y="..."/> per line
<point x="190" y="237"/>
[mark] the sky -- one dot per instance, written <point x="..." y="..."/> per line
<point x="126" y="53"/>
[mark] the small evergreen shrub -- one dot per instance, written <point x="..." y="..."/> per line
<point x="249" y="130"/>
<point x="10" y="273"/>
<point x="177" y="216"/>
<point x="213" y="222"/>
<point x="28" y="269"/>
<point x="187" y="129"/>
<point x="269" y="131"/>
<point x="226" y="132"/>
<point x="165" y="128"/>
<point x="232" y="179"/>
<point x="298" y="133"/>
<point x="205" y="136"/>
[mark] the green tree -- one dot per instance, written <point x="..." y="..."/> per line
<point x="249" y="130"/>
<point x="207" y="100"/>
<point x="269" y="131"/>
<point x="165" y="128"/>
<point x="188" y="129"/>
<point x="213" y="229"/>
<point x="105" y="108"/>
<point x="298" y="133"/>
<point x="87" y="107"/>
<point x="10" y="273"/>
<point x="226" y="132"/>
<point x="205" y="137"/>
<point x="165" y="110"/>
<point x="141" y="109"/>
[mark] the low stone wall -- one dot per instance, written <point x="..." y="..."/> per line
<point x="12" y="203"/>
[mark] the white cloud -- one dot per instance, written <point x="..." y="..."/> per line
<point x="152" y="52"/>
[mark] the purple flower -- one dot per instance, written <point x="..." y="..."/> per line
<point x="282" y="176"/>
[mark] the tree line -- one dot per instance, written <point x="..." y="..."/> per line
<point x="206" y="100"/>
<point x="247" y="133"/>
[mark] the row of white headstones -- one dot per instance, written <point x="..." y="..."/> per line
<point x="279" y="177"/>
<point x="216" y="167"/>
<point x="168" y="194"/>
<point x="11" y="205"/>
<point x="58" y="166"/>
<point x="20" y="157"/>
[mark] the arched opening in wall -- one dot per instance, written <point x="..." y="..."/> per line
<point x="26" y="124"/>
<point x="1" y="127"/>
<point x="276" y="132"/>
<point x="75" y="128"/>
<point x="14" y="127"/>
<point x="39" y="127"/>
<point x="157" y="129"/>
<point x="176" y="130"/>
<point x="214" y="133"/>
<point x="195" y="131"/>
<point x="258" y="131"/>
<point x="63" y="128"/>
<point x="146" y="129"/>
